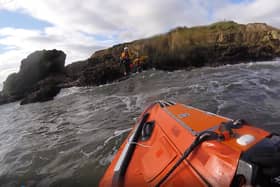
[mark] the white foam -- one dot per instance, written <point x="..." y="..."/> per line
<point x="105" y="160"/>
<point x="67" y="91"/>
<point x="273" y="63"/>
<point x="221" y="105"/>
<point x="120" y="132"/>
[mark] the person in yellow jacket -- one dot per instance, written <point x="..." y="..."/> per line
<point x="136" y="64"/>
<point x="125" y="61"/>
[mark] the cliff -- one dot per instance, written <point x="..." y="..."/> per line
<point x="223" y="42"/>
<point x="181" y="48"/>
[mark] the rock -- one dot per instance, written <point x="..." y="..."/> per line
<point x="34" y="68"/>
<point x="3" y="99"/>
<point x="93" y="72"/>
<point x="45" y="93"/>
<point x="12" y="86"/>
<point x="33" y="82"/>
<point x="45" y="89"/>
<point x="101" y="74"/>
<point x="76" y="70"/>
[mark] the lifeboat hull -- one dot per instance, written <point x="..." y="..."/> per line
<point x="161" y="136"/>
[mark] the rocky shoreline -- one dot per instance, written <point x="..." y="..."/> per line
<point x="43" y="73"/>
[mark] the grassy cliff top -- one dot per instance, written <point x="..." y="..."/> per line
<point x="225" y="33"/>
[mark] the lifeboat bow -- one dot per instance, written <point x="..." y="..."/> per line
<point x="177" y="145"/>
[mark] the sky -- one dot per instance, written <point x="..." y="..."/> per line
<point x="81" y="27"/>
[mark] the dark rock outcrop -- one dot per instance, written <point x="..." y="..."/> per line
<point x="32" y="82"/>
<point x="34" y="68"/>
<point x="3" y="99"/>
<point x="92" y="73"/>
<point x="45" y="89"/>
<point x="45" y="93"/>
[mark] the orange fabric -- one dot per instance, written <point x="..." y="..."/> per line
<point x="215" y="161"/>
<point x="136" y="61"/>
<point x="125" y="55"/>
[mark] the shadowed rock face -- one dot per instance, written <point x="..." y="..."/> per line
<point x="42" y="73"/>
<point x="36" y="67"/>
<point x="90" y="72"/>
<point x="45" y="93"/>
<point x="3" y="99"/>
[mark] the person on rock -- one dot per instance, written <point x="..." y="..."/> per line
<point x="137" y="64"/>
<point x="125" y="61"/>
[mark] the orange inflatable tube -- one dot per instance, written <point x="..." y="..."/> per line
<point x="177" y="145"/>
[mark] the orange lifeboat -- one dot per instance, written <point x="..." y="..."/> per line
<point x="177" y="145"/>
